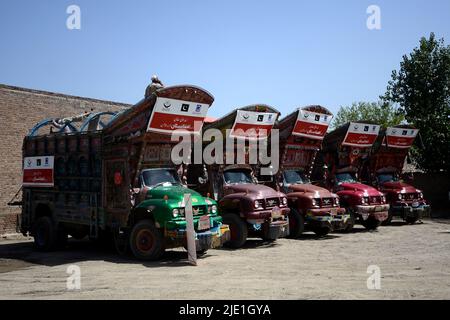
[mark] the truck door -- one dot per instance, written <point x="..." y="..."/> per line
<point x="117" y="189"/>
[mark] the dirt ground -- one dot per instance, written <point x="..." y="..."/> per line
<point x="414" y="262"/>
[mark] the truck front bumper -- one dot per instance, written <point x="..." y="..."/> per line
<point x="204" y="240"/>
<point x="332" y="218"/>
<point x="275" y="229"/>
<point x="406" y="210"/>
<point x="377" y="212"/>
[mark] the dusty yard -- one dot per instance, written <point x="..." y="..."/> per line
<point x="414" y="262"/>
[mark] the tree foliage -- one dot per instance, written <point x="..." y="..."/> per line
<point x="379" y="112"/>
<point x="421" y="88"/>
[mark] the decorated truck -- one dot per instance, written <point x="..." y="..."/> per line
<point x="313" y="208"/>
<point x="384" y="169"/>
<point x="114" y="178"/>
<point x="344" y="153"/>
<point x="248" y="208"/>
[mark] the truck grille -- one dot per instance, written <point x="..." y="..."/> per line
<point x="411" y="196"/>
<point x="327" y="202"/>
<point x="197" y="210"/>
<point x="272" y="202"/>
<point x="375" y="200"/>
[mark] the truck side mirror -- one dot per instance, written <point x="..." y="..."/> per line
<point x="202" y="180"/>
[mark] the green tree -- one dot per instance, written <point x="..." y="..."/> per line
<point x="379" y="112"/>
<point x="422" y="90"/>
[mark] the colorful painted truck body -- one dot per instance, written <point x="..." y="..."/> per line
<point x="250" y="209"/>
<point x="312" y="207"/>
<point x="344" y="152"/>
<point x="384" y="169"/>
<point x="117" y="179"/>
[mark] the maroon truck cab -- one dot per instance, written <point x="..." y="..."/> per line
<point x="383" y="171"/>
<point x="344" y="152"/>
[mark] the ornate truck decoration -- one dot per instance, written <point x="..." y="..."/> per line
<point x="384" y="170"/>
<point x="312" y="207"/>
<point x="112" y="177"/>
<point x="248" y="208"/>
<point x="344" y="153"/>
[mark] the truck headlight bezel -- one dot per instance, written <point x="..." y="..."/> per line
<point x="284" y="201"/>
<point x="258" y="204"/>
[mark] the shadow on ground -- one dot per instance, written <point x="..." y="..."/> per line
<point x="22" y="254"/>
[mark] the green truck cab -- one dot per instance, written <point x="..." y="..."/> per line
<point x="112" y="176"/>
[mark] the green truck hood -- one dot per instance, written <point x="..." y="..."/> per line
<point x="175" y="193"/>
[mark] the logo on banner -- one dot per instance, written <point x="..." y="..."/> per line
<point x="198" y="108"/>
<point x="167" y="104"/>
<point x="245" y="116"/>
<point x="185" y="107"/>
<point x="317" y="117"/>
<point x="260" y="118"/>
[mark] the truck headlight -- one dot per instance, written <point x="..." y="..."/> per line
<point x="336" y="201"/>
<point x="175" y="213"/>
<point x="383" y="199"/>
<point x="420" y="195"/>
<point x="315" y="202"/>
<point x="258" y="204"/>
<point x="213" y="208"/>
<point x="284" y="201"/>
<point x="365" y="200"/>
<point x="400" y="196"/>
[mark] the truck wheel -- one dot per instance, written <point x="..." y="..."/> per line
<point x="411" y="220"/>
<point x="146" y="241"/>
<point x="321" y="231"/>
<point x="388" y="220"/>
<point x="351" y="221"/>
<point x="371" y="224"/>
<point x="45" y="234"/>
<point x="296" y="224"/>
<point x="238" y="230"/>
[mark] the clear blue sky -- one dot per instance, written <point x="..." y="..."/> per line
<point x="283" y="53"/>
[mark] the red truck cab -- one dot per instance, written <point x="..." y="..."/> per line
<point x="384" y="169"/>
<point x="313" y="208"/>
<point x="344" y="152"/>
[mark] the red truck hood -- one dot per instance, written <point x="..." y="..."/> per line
<point x="359" y="187"/>
<point x="255" y="191"/>
<point x="310" y="188"/>
<point x="399" y="186"/>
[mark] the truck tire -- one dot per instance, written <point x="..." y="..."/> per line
<point x="371" y="224"/>
<point x="321" y="231"/>
<point x="146" y="241"/>
<point x="45" y="234"/>
<point x="296" y="224"/>
<point x="238" y="230"/>
<point x="411" y="220"/>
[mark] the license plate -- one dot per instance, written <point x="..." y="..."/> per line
<point x="415" y="204"/>
<point x="276" y="212"/>
<point x="204" y="223"/>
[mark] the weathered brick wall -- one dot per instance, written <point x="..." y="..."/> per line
<point x="20" y="110"/>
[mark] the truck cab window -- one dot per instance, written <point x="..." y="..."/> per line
<point x="295" y="177"/>
<point x="237" y="176"/>
<point x="382" y="178"/>
<point x="153" y="177"/>
<point x="345" y="177"/>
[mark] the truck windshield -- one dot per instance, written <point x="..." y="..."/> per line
<point x="389" y="177"/>
<point x="345" y="177"/>
<point x="295" y="177"/>
<point x="154" y="177"/>
<point x="237" y="176"/>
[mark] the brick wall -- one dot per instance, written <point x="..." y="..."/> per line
<point x="20" y="110"/>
